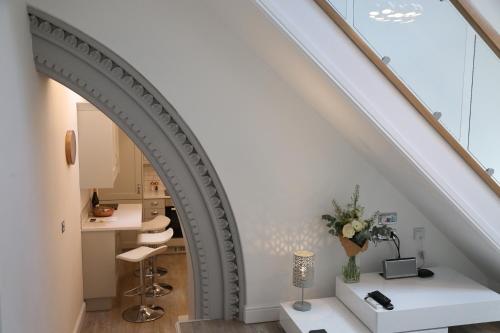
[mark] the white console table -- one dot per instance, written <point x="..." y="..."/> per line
<point x="446" y="299"/>
<point x="428" y="305"/>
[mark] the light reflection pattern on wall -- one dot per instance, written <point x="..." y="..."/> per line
<point x="282" y="240"/>
<point x="400" y="12"/>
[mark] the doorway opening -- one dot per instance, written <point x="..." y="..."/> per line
<point x="117" y="179"/>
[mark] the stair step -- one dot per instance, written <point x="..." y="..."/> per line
<point x="326" y="313"/>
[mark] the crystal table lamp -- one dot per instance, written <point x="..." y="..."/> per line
<point x="303" y="276"/>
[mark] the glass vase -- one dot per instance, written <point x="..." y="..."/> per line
<point x="351" y="271"/>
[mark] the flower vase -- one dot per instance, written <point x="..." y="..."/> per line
<point x="351" y="271"/>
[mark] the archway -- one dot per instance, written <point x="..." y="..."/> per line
<point x="82" y="64"/>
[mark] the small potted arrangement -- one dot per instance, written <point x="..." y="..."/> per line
<point x="354" y="232"/>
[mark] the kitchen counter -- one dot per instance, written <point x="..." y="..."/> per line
<point x="100" y="246"/>
<point x="126" y="217"/>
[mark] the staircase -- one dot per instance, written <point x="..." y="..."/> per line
<point x="436" y="140"/>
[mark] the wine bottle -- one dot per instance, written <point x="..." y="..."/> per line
<point x="95" y="199"/>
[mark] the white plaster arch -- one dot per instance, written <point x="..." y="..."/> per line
<point x="87" y="67"/>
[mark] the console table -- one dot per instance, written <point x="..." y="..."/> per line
<point x="428" y="305"/>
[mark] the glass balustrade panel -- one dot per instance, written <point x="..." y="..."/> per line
<point x="438" y="55"/>
<point x="425" y="43"/>
<point x="484" y="130"/>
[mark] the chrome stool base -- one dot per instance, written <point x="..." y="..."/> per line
<point x="159" y="289"/>
<point x="142" y="313"/>
<point x="160" y="272"/>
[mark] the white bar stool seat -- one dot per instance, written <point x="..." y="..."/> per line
<point x="155" y="239"/>
<point x="142" y="313"/>
<point x="157" y="224"/>
<point x="139" y="254"/>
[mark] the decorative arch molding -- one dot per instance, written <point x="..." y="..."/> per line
<point x="87" y="67"/>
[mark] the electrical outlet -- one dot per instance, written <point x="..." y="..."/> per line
<point x="387" y="218"/>
<point x="63" y="227"/>
<point x="419" y="233"/>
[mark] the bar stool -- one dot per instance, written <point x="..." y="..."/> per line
<point x="156" y="289"/>
<point x="158" y="224"/>
<point x="142" y="313"/>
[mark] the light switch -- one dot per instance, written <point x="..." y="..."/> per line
<point x="63" y="227"/>
<point x="419" y="233"/>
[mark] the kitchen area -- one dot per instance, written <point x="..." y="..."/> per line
<point x="117" y="180"/>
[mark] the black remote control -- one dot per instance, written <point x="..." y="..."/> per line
<point x="318" y="331"/>
<point x="381" y="299"/>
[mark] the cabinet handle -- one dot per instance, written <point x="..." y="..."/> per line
<point x="155" y="212"/>
<point x="154" y="203"/>
<point x="138" y="188"/>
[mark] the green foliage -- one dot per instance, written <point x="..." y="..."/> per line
<point x="349" y="222"/>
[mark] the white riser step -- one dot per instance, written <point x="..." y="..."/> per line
<point x="328" y="314"/>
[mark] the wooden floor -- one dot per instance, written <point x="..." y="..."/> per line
<point x="480" y="328"/>
<point x="221" y="326"/>
<point x="175" y="304"/>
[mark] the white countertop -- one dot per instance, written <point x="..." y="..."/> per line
<point x="446" y="299"/>
<point x="126" y="217"/>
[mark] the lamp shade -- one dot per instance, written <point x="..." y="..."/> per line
<point x="303" y="269"/>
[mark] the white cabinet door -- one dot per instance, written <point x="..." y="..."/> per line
<point x="97" y="148"/>
<point x="128" y="184"/>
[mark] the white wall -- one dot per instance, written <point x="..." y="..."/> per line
<point x="280" y="162"/>
<point x="41" y="281"/>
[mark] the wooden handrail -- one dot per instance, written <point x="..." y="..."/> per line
<point x="407" y="93"/>
<point x="479" y="23"/>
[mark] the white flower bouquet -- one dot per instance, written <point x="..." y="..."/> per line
<point x="354" y="232"/>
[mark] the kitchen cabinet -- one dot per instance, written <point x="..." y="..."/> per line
<point x="152" y="208"/>
<point x="98" y="149"/>
<point x="128" y="184"/>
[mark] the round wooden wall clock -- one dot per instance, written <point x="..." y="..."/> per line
<point x="70" y="147"/>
